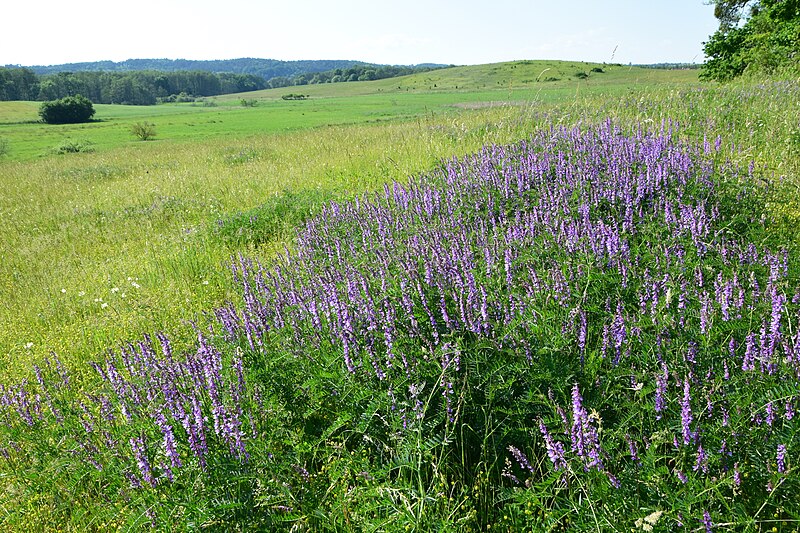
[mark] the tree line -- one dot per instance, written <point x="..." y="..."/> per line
<point x="150" y="87"/>
<point x="137" y="88"/>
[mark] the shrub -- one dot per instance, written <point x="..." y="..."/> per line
<point x="3" y="146"/>
<point x="144" y="131"/>
<point x="68" y="110"/>
<point x="252" y="102"/>
<point x="292" y="96"/>
<point x="70" y="146"/>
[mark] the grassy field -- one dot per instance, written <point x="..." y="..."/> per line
<point x="125" y="238"/>
<point x="443" y="91"/>
<point x="77" y="225"/>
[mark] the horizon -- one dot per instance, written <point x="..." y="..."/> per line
<point x="446" y="32"/>
<point x="441" y="65"/>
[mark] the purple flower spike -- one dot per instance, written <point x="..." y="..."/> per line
<point x="555" y="449"/>
<point x="140" y="454"/>
<point x="686" y="413"/>
<point x="781" y="458"/>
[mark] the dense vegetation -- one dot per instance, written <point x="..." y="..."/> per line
<point x="760" y="36"/>
<point x="149" y="86"/>
<point x="580" y="314"/>
<point x="67" y="110"/>
<point x="138" y="88"/>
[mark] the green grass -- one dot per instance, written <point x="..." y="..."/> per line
<point x="134" y="237"/>
<point x="441" y="91"/>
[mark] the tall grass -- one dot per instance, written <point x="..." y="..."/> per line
<point x="536" y="336"/>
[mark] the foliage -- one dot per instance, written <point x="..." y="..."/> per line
<point x="293" y="96"/>
<point x="67" y="110"/>
<point x="273" y="220"/>
<point x="138" y="86"/>
<point x="144" y="131"/>
<point x="72" y="146"/>
<point x="577" y="331"/>
<point x="18" y="84"/>
<point x="146" y="213"/>
<point x="768" y="40"/>
<point x="4" y="146"/>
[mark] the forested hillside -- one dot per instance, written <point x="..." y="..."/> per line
<point x="127" y="83"/>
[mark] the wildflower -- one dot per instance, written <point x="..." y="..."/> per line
<point x="707" y="521"/>
<point x="521" y="458"/>
<point x="140" y="453"/>
<point x="555" y="450"/>
<point x="632" y="449"/>
<point x="702" y="460"/>
<point x="781" y="458"/>
<point x="585" y="441"/>
<point x="686" y="413"/>
<point x="649" y="521"/>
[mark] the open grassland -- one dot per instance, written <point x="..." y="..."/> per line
<point x="77" y="226"/>
<point x="443" y="91"/>
<point x="384" y="389"/>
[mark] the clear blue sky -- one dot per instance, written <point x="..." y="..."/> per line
<point x="46" y="32"/>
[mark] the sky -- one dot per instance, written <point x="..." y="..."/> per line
<point x="461" y="32"/>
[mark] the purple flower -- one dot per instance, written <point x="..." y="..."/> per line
<point x="781" y="458"/>
<point x="585" y="441"/>
<point x="555" y="449"/>
<point x="140" y="454"/>
<point x="686" y="413"/>
<point x="521" y="458"/>
<point x="661" y="389"/>
<point x="707" y="521"/>
<point x="701" y="462"/>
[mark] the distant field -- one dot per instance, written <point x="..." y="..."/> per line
<point x="440" y="91"/>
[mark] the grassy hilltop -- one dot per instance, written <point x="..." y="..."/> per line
<point x="547" y="296"/>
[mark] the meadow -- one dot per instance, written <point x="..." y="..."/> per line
<point x="467" y="299"/>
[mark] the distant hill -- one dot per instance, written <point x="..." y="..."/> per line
<point x="264" y="68"/>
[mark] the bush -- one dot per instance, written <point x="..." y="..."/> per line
<point x="144" y="131"/>
<point x="68" y="110"/>
<point x="3" y="146"/>
<point x="70" y="146"/>
<point x="252" y="102"/>
<point x="292" y="96"/>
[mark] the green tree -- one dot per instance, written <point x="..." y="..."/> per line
<point x="753" y="35"/>
<point x="67" y="110"/>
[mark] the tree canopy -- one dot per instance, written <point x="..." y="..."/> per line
<point x="68" y="110"/>
<point x="753" y="35"/>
